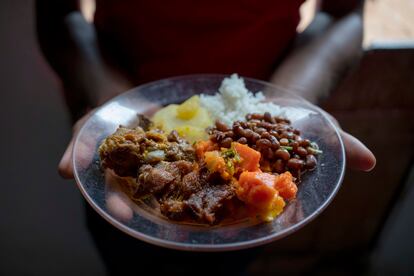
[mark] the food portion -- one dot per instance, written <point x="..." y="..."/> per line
<point x="189" y="119"/>
<point x="280" y="145"/>
<point x="212" y="158"/>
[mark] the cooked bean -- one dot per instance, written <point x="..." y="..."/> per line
<point x="295" y="164"/>
<point x="243" y="124"/>
<point x="284" y="142"/>
<point x="238" y="130"/>
<point x="221" y="126"/>
<point x="284" y="120"/>
<point x="310" y="162"/>
<point x="255" y="137"/>
<point x="268" y="153"/>
<point x="282" y="154"/>
<point x="248" y="133"/>
<point x="294" y="145"/>
<point x="256" y="116"/>
<point x="279" y="166"/>
<point x="219" y="136"/>
<point x="229" y="134"/>
<point x="263" y="144"/>
<point x="287" y="134"/>
<point x="226" y="143"/>
<point x="254" y="121"/>
<point x="265" y="125"/>
<point x="266" y="135"/>
<point x="304" y="143"/>
<point x="279" y="119"/>
<point x="296" y="131"/>
<point x="274" y="142"/>
<point x="267" y="117"/>
<point x="301" y="151"/>
<point x="274" y="133"/>
<point x="260" y="130"/>
<point x="242" y="140"/>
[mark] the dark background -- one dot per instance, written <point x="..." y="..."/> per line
<point x="42" y="229"/>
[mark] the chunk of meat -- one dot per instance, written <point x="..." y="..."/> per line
<point x="165" y="176"/>
<point x="176" y="168"/>
<point x="121" y="151"/>
<point x="174" y="209"/>
<point x="206" y="202"/>
<point x="153" y="180"/>
<point x="144" y="122"/>
<point x="179" y="151"/>
<point x="128" y="149"/>
<point x="173" y="136"/>
<point x="190" y="184"/>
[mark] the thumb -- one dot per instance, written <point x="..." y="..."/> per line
<point x="65" y="167"/>
<point x="358" y="156"/>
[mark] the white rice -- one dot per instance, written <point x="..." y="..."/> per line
<point x="234" y="101"/>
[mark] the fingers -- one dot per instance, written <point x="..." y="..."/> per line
<point x="118" y="207"/>
<point x="117" y="202"/>
<point x="65" y="167"/>
<point x="358" y="156"/>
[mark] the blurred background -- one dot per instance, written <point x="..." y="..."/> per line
<point x="42" y="229"/>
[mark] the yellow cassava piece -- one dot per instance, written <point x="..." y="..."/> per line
<point x="189" y="108"/>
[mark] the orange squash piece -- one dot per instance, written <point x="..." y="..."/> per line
<point x="216" y="163"/>
<point x="257" y="189"/>
<point x="203" y="146"/>
<point x="250" y="158"/>
<point x="285" y="185"/>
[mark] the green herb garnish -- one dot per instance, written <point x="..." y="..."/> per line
<point x="314" y="151"/>
<point x="230" y="157"/>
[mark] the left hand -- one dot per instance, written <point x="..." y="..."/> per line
<point x="358" y="156"/>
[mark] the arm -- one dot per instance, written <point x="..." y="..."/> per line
<point x="322" y="55"/>
<point x="324" y="51"/>
<point x="70" y="45"/>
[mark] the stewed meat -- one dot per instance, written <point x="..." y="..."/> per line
<point x="207" y="201"/>
<point x="128" y="149"/>
<point x="153" y="180"/>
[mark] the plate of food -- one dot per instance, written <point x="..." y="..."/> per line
<point x="208" y="162"/>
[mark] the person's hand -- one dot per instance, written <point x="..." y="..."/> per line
<point x="358" y="156"/>
<point x="65" y="166"/>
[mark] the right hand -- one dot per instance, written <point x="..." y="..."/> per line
<point x="117" y="203"/>
<point x="65" y="167"/>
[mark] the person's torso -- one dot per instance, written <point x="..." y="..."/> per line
<point x="157" y="39"/>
